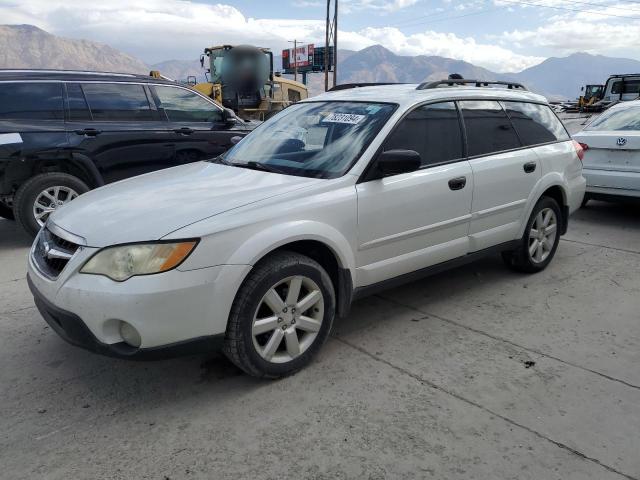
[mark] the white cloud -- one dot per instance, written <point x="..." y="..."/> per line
<point x="612" y="27"/>
<point x="493" y="57"/>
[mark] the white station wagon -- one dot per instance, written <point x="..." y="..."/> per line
<point x="259" y="250"/>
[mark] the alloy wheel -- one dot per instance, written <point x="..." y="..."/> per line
<point x="288" y="319"/>
<point x="49" y="200"/>
<point x="542" y="235"/>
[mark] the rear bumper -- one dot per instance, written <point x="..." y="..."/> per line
<point x="612" y="182"/>
<point x="75" y="331"/>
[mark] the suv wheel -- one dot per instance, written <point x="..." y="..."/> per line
<point x="281" y="316"/>
<point x="39" y="196"/>
<point x="540" y="240"/>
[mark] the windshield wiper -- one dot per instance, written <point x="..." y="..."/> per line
<point x="263" y="167"/>
<point x="219" y="160"/>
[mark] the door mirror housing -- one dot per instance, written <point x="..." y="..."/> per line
<point x="228" y="116"/>
<point x="394" y="162"/>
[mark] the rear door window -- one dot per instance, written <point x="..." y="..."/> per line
<point x="182" y="105"/>
<point x="118" y="102"/>
<point x="31" y="101"/>
<point x="77" y="104"/>
<point x="431" y="130"/>
<point x="488" y="128"/>
<point x="535" y="124"/>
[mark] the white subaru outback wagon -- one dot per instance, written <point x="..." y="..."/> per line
<point x="257" y="251"/>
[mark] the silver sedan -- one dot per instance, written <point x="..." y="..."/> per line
<point x="612" y="153"/>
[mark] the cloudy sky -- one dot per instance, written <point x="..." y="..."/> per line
<point x="502" y="35"/>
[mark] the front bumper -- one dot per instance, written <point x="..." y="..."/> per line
<point x="73" y="330"/>
<point x="175" y="311"/>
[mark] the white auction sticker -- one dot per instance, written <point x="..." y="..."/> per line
<point x="350" y="118"/>
<point x="9" y="138"/>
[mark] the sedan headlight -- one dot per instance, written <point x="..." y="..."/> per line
<point x="122" y="262"/>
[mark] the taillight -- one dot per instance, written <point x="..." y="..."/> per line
<point x="580" y="149"/>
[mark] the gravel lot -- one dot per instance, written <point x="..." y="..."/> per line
<point x="475" y="373"/>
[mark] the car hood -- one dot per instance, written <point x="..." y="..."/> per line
<point x="151" y="206"/>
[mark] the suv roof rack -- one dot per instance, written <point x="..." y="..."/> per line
<point x="346" y="86"/>
<point x="477" y="83"/>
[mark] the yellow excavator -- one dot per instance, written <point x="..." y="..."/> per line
<point x="242" y="78"/>
<point x="591" y="95"/>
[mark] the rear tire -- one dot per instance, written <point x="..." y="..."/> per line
<point x="41" y="189"/>
<point x="540" y="240"/>
<point x="281" y="316"/>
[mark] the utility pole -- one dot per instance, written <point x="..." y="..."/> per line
<point x="335" y="45"/>
<point x="295" y="59"/>
<point x="326" y="49"/>
<point x="331" y="34"/>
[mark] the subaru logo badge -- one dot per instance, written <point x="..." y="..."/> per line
<point x="621" y="141"/>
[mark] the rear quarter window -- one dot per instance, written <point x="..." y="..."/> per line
<point x="535" y="124"/>
<point x="31" y="101"/>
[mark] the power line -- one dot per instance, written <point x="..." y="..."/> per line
<point x="480" y="12"/>
<point x="517" y="2"/>
<point x="608" y="5"/>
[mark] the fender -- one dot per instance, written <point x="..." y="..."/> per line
<point x="268" y="240"/>
<point x="89" y="167"/>
<point x="551" y="179"/>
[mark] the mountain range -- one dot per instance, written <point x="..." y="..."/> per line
<point x="26" y="46"/>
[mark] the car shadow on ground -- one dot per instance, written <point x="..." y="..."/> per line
<point x="611" y="214"/>
<point x="12" y="236"/>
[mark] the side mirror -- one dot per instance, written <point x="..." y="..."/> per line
<point x="228" y="116"/>
<point x="393" y="162"/>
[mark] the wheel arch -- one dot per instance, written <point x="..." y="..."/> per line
<point x="551" y="185"/>
<point x="318" y="241"/>
<point x="77" y="164"/>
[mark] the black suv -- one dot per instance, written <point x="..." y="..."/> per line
<point x="63" y="133"/>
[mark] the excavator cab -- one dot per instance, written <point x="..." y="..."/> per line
<point x="241" y="78"/>
<point x="591" y="95"/>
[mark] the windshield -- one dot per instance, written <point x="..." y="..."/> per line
<point x="315" y="139"/>
<point x="617" y="119"/>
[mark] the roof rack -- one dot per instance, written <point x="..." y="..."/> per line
<point x="478" y="83"/>
<point x="346" y="86"/>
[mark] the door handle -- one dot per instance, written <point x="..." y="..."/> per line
<point x="529" y="167"/>
<point x="89" y="132"/>
<point x="184" y="130"/>
<point x="457" y="183"/>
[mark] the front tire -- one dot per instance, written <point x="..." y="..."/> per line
<point x="39" y="196"/>
<point x="281" y="316"/>
<point x="540" y="241"/>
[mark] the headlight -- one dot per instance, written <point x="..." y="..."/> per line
<point x="125" y="261"/>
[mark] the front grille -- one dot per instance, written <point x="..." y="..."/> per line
<point x="52" y="253"/>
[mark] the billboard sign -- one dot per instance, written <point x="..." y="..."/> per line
<point x="301" y="56"/>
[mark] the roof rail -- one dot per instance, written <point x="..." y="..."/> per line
<point x="477" y="83"/>
<point x="346" y="86"/>
<point x="61" y="71"/>
<point x="625" y="75"/>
